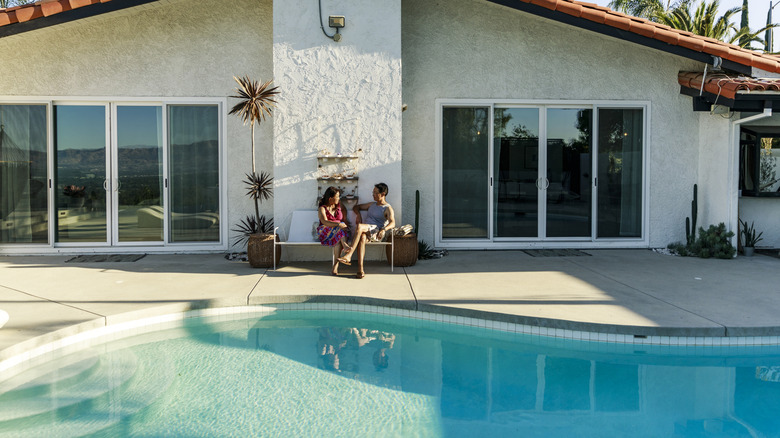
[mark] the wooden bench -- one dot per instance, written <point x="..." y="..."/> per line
<point x="303" y="232"/>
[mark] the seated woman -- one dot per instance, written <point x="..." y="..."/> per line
<point x="333" y="228"/>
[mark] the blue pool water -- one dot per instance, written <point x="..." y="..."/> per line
<point x="355" y="374"/>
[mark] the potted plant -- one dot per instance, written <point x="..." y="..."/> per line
<point x="255" y="102"/>
<point x="749" y="238"/>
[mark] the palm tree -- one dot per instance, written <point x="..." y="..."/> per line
<point x="649" y="9"/>
<point x="9" y="3"/>
<point x="255" y="102"/>
<point x="704" y="21"/>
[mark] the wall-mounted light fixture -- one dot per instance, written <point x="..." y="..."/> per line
<point x="334" y="21"/>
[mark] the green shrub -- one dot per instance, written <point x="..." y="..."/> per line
<point x="712" y="242"/>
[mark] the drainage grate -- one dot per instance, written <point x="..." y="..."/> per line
<point x="555" y="253"/>
<point x="106" y="258"/>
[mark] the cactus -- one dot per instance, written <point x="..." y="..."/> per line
<point x="416" y="210"/>
<point x="690" y="222"/>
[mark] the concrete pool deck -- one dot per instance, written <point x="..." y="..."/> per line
<point x="636" y="292"/>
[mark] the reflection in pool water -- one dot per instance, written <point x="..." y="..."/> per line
<point x="350" y="374"/>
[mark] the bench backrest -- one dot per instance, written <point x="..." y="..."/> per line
<point x="303" y="226"/>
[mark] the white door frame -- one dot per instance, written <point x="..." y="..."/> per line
<point x="541" y="242"/>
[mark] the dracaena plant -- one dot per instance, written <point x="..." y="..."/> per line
<point x="256" y="101"/>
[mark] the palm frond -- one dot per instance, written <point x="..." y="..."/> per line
<point x="255" y="100"/>
<point x="259" y="187"/>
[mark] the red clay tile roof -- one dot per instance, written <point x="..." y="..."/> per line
<point x="725" y="85"/>
<point x="656" y="31"/>
<point x="41" y="8"/>
<point x="587" y="11"/>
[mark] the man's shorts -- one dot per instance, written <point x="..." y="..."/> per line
<point x="373" y="233"/>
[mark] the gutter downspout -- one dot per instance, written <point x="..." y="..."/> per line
<point x="734" y="162"/>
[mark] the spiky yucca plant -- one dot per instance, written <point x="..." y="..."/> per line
<point x="256" y="101"/>
<point x="249" y="226"/>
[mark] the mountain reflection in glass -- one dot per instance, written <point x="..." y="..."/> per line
<point x="139" y="169"/>
<point x="193" y="132"/>
<point x="80" y="173"/>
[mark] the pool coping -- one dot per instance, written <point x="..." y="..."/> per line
<point x="20" y="354"/>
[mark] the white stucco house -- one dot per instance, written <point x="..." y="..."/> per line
<point x="522" y="123"/>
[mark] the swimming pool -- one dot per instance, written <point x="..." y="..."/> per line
<point x="314" y="373"/>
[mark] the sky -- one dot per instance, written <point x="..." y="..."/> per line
<point x="757" y="10"/>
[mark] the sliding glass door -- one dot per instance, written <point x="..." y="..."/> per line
<point x="465" y="172"/>
<point x="24" y="200"/>
<point x="138" y="167"/>
<point x="619" y="175"/>
<point x="136" y="174"/>
<point x="194" y="162"/>
<point x="516" y="172"/>
<point x="81" y="180"/>
<point x="552" y="173"/>
<point x="568" y="172"/>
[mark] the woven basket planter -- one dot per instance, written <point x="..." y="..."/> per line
<point x="405" y="253"/>
<point x="260" y="250"/>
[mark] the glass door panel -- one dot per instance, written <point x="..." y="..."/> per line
<point x="465" y="172"/>
<point x="139" y="174"/>
<point x="80" y="173"/>
<point x="568" y="187"/>
<point x="516" y="172"/>
<point x="24" y="207"/>
<point x="193" y="133"/>
<point x="619" y="173"/>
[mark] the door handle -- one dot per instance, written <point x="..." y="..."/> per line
<point x="105" y="184"/>
<point x="547" y="183"/>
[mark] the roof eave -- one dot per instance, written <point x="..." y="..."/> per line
<point x="68" y="16"/>
<point x="622" y="35"/>
<point x="742" y="102"/>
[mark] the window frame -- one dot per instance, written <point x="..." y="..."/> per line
<point x="529" y="243"/>
<point x="51" y="247"/>
<point x="760" y="132"/>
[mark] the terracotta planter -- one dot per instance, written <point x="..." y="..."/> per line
<point x="405" y="250"/>
<point x="260" y="250"/>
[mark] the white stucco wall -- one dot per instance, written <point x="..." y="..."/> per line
<point x="476" y="49"/>
<point x="716" y="184"/>
<point x="176" y="48"/>
<point x="336" y="97"/>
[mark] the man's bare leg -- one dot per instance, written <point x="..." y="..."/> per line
<point x="360" y="233"/>
<point x="361" y="255"/>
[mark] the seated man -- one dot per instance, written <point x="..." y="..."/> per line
<point x="379" y="218"/>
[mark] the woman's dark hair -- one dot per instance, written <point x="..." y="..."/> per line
<point x="329" y="193"/>
<point x="382" y="187"/>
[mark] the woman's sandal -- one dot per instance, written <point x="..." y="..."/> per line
<point x="360" y="275"/>
<point x="344" y="260"/>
